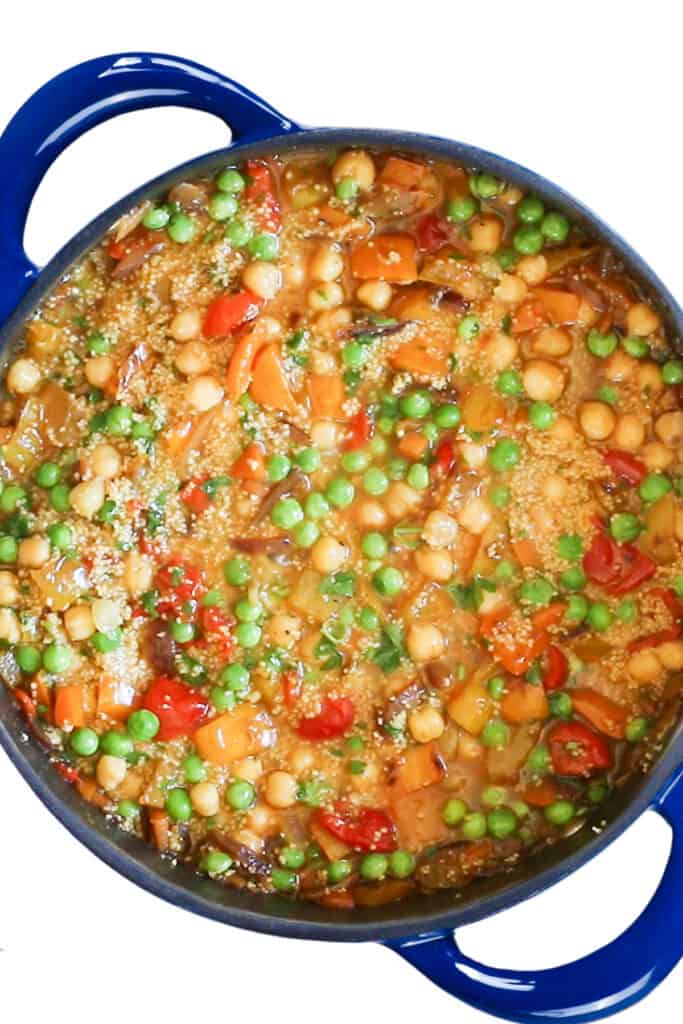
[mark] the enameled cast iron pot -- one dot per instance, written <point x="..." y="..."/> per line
<point x="420" y="929"/>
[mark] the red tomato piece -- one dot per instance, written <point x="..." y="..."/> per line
<point x="361" y="429"/>
<point x="261" y="189"/>
<point x="556" y="668"/>
<point x="334" y="719"/>
<point x="369" y="829"/>
<point x="67" y="772"/>
<point x="179" y="581"/>
<point x="637" y="568"/>
<point x="192" y="495"/>
<point x="217" y="627"/>
<point x="663" y="635"/>
<point x="625" y="466"/>
<point x="619" y="568"/>
<point x="431" y="233"/>
<point x="444" y="459"/>
<point x="228" y="312"/>
<point x="179" y="708"/>
<point x="578" y="751"/>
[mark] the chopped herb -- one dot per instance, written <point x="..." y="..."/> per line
<point x="312" y="792"/>
<point x="390" y="651"/>
<point x="328" y="655"/>
<point x="338" y="584"/>
<point x="469" y="596"/>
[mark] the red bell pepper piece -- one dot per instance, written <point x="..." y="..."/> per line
<point x="334" y="719"/>
<point x="68" y="772"/>
<point x="444" y="459"/>
<point x="625" y="466"/>
<point x="431" y="233"/>
<point x="556" y="668"/>
<point x="179" y="708"/>
<point x="261" y="189"/>
<point x="217" y="628"/>
<point x="578" y="751"/>
<point x="178" y="581"/>
<point x="193" y="495"/>
<point x="619" y="568"/>
<point x="368" y="829"/>
<point x="228" y="312"/>
<point x="361" y="429"/>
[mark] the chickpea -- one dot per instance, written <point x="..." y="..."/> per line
<point x="9" y="588"/>
<point x="670" y="655"/>
<point x="333" y="320"/>
<point x="486" y="232"/>
<point x="87" y="498"/>
<point x="105" y="461"/>
<point x="401" y="499"/>
<point x="324" y="434"/>
<point x="267" y="328"/>
<point x="435" y="563"/>
<point x="323" y="361"/>
<point x="552" y="341"/>
<point x="469" y="748"/>
<point x="370" y="514"/>
<point x="476" y="515"/>
<point x="205" y="799"/>
<point x="425" y="642"/>
<point x="543" y="381"/>
<point x="586" y="315"/>
<point x="440" y="530"/>
<point x="473" y="455"/>
<point x="656" y="456"/>
<point x="193" y="358"/>
<point x="641" y="320"/>
<point x="78" y="622"/>
<point x="620" y="366"/>
<point x="293" y="269"/>
<point x="555" y="489"/>
<point x="327" y="263"/>
<point x="281" y="789"/>
<point x="644" y="666"/>
<point x="185" y="325"/>
<point x="328" y="554"/>
<point x="23" y="377"/>
<point x="629" y="432"/>
<point x="9" y="626"/>
<point x="325" y="295"/>
<point x="137" y="573"/>
<point x="563" y="429"/>
<point x="260" y="819"/>
<point x="425" y="724"/>
<point x="510" y="289"/>
<point x="33" y="552"/>
<point x="249" y="768"/>
<point x="669" y="429"/>
<point x="301" y="760"/>
<point x="106" y="614"/>
<point x="597" y="420"/>
<point x="376" y="295"/>
<point x="533" y="269"/>
<point x="491" y="601"/>
<point x="110" y="771"/>
<point x="357" y="165"/>
<point x="284" y="630"/>
<point x="649" y="378"/>
<point x="204" y="393"/>
<point x="262" y="278"/>
<point x="98" y="370"/>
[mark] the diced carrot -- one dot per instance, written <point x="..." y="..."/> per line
<point x="544" y="618"/>
<point x="69" y="706"/>
<point x="526" y="552"/>
<point x="43" y="694"/>
<point x="334" y="216"/>
<point x="86" y="787"/>
<point x="420" y="766"/>
<point x="418" y="817"/>
<point x="326" y="394"/>
<point x="188" y="434"/>
<point x="413" y="445"/>
<point x="234" y="735"/>
<point x="402" y="173"/>
<point x="528" y="317"/>
<point x="385" y="258"/>
<point x="561" y="307"/>
<point x="241" y="363"/>
<point x="524" y="702"/>
<point x="472" y="707"/>
<point x="159" y="827"/>
<point x="605" y="714"/>
<point x="519" y="657"/>
<point x="420" y="356"/>
<point x="542" y="794"/>
<point x="269" y="385"/>
<point x="26" y="703"/>
<point x="332" y="847"/>
<point x="250" y="465"/>
<point x="116" y="698"/>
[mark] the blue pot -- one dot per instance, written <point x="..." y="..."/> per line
<point x="421" y="929"/>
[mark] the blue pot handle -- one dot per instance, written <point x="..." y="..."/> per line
<point x="594" y="987"/>
<point x="85" y="96"/>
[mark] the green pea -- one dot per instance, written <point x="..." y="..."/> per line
<point x="485" y="185"/>
<point x="474" y="826"/>
<point x="599" y="617"/>
<point x="416" y="405"/>
<point x="117" y="744"/>
<point x="12" y="498"/>
<point x="636" y="730"/>
<point x="59" y="498"/>
<point x="501" y="823"/>
<point x="520" y="809"/>
<point x="308" y="459"/>
<point x="496" y="687"/>
<point x="528" y="240"/>
<point x="368" y="619"/>
<point x="128" y="809"/>
<point x="292" y="857"/>
<point x="355" y="355"/>
<point x="238" y="233"/>
<point x="84" y="742"/>
<point x="509" y="383"/>
<point x="561" y="812"/>
<point x="379" y="447"/>
<point x="338" y="871"/>
<point x="505" y="570"/>
<point x="156" y="218"/>
<point x="317" y="506"/>
<point x="530" y="210"/>
<point x="143" y="725"/>
<point x="672" y="372"/>
<point x="401" y="864"/>
<point x="284" y="880"/>
<point x="446" y="416"/>
<point x="194" y="769"/>
<point x="638" y="348"/>
<point x="570" y="547"/>
<point x="265" y="246"/>
<point x="248" y="611"/>
<point x="542" y="415"/>
<point x="504" y="455"/>
<point x="56" y="658"/>
<point x="468" y="328"/>
<point x="453" y="812"/>
<point x="118" y="420"/>
<point x="240" y="795"/>
<point x="355" y="461"/>
<point x="538" y="761"/>
<point x="397" y="468"/>
<point x="597" y="791"/>
<point x="461" y="208"/>
<point x="573" y="578"/>
<point x="496" y="734"/>
<point x="248" y="634"/>
<point x="9" y="549"/>
<point x="182" y="632"/>
<point x="28" y="658"/>
<point x="386" y="424"/>
<point x="61" y="536"/>
<point x="507" y="258"/>
<point x="374" y="545"/>
<point x="418" y="476"/>
<point x="110" y="641"/>
<point x="374" y="866"/>
<point x="306" y="533"/>
<point x="538" y="592"/>
<point x="493" y="796"/>
<point x="346" y="189"/>
<point x="287" y="513"/>
<point x="181" y="228"/>
<point x="222" y="206"/>
<point x="625" y="527"/>
<point x="178" y="805"/>
<point x="555" y="227"/>
<point x="561" y="704"/>
<point x="601" y="345"/>
<point x="237" y="571"/>
<point x="236" y="677"/>
<point x="678" y="585"/>
<point x="499" y="496"/>
<point x="577" y="608"/>
<point x="654" y="487"/>
<point x="221" y="699"/>
<point x="627" y="610"/>
<point x="230" y="181"/>
<point x="48" y="474"/>
<point x="388" y="581"/>
<point x="340" y="492"/>
<point x="278" y="467"/>
<point x="215" y="862"/>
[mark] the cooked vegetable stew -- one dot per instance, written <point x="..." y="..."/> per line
<point x="341" y="526"/>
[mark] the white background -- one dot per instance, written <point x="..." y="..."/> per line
<point x="588" y="94"/>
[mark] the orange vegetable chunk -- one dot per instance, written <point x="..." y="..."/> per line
<point x="234" y="735"/>
<point x="385" y="258"/>
<point x="69" y="706"/>
<point x="269" y="384"/>
<point x="326" y="394"/>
